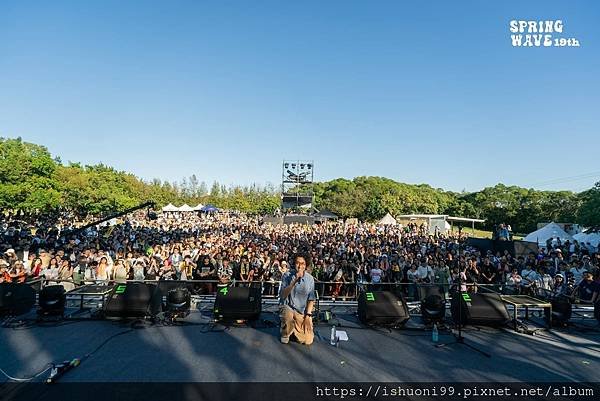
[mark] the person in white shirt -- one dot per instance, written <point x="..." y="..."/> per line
<point x="51" y="272"/>
<point x="89" y="275"/>
<point x="376" y="274"/>
<point x="513" y="282"/>
<point x="544" y="282"/>
<point x="413" y="279"/>
<point x="529" y="277"/>
<point x="577" y="271"/>
<point x="424" y="272"/>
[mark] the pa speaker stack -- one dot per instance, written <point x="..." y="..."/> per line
<point x="382" y="308"/>
<point x="133" y="300"/>
<point x="483" y="309"/>
<point x="238" y="303"/>
<point x="16" y="299"/>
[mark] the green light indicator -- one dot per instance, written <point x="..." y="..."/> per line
<point x="224" y="290"/>
<point x="120" y="289"/>
<point x="370" y="296"/>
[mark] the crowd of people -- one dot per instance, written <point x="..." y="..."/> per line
<point x="225" y="247"/>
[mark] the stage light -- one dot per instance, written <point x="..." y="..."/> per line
<point x="52" y="300"/>
<point x="293" y="165"/>
<point x="433" y="305"/>
<point x="309" y="166"/>
<point x="286" y="165"/>
<point x="561" y="311"/>
<point x="178" y="302"/>
<point x="302" y="166"/>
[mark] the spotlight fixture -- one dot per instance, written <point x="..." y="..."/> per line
<point x="433" y="305"/>
<point x="561" y="311"/>
<point x="293" y="165"/>
<point x="309" y="166"/>
<point x="178" y="303"/>
<point x="302" y="166"/>
<point x="52" y="300"/>
<point x="286" y="165"/>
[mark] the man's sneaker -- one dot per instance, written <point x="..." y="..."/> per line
<point x="285" y="340"/>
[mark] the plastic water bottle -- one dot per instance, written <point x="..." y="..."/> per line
<point x="435" y="334"/>
<point x="333" y="340"/>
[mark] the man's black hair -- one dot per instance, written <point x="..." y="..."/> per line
<point x="305" y="256"/>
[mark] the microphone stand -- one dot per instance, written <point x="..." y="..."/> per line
<point x="459" y="339"/>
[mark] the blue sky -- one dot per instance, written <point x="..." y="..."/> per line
<point x="420" y="92"/>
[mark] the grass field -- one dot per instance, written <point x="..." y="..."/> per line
<point x="481" y="233"/>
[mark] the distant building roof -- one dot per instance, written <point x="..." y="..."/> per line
<point x="449" y="218"/>
<point x="422" y="216"/>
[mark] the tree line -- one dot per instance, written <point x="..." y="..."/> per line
<point x="34" y="182"/>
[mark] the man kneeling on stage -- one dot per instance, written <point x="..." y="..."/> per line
<point x="297" y="298"/>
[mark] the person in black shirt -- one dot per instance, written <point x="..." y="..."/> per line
<point x="487" y="272"/>
<point x="205" y="270"/>
<point x="588" y="290"/>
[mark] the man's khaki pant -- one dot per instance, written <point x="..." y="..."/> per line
<point x="293" y="322"/>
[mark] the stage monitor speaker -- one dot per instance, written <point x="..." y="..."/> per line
<point x="133" y="300"/>
<point x="484" y="309"/>
<point x="238" y="303"/>
<point x="52" y="300"/>
<point x="382" y="308"/>
<point x="16" y="299"/>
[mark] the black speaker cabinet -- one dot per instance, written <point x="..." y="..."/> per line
<point x="483" y="309"/>
<point x="238" y="303"/>
<point x="16" y="299"/>
<point x="133" y="300"/>
<point x="382" y="308"/>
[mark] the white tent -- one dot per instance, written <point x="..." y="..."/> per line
<point x="198" y="207"/>
<point x="583" y="238"/>
<point x="170" y="208"/>
<point x="551" y="230"/>
<point x="186" y="208"/>
<point x="387" y="220"/>
<point x="593" y="238"/>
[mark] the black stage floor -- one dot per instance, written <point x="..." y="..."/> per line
<point x="195" y="352"/>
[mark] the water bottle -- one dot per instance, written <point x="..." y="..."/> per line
<point x="333" y="340"/>
<point x="435" y="334"/>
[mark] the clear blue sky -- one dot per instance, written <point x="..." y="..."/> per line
<point x="421" y="91"/>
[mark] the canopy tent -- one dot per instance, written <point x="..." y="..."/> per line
<point x="198" y="207"/>
<point x="209" y="209"/>
<point x="185" y="208"/>
<point x="592" y="237"/>
<point x="170" y="208"/>
<point x="551" y="230"/>
<point x="387" y="220"/>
